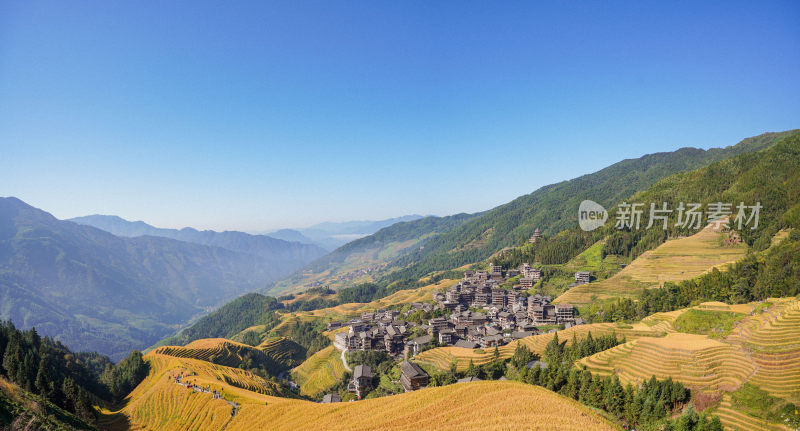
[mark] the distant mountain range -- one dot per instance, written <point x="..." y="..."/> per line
<point x="332" y="235"/>
<point x="97" y="291"/>
<point x="262" y="245"/>
<point x="328" y="235"/>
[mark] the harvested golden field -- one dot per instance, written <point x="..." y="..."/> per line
<point x="734" y="419"/>
<point x="481" y="406"/>
<point x="675" y="260"/>
<point x="773" y="338"/>
<point x="158" y="403"/>
<point x="695" y="360"/>
<point x="319" y="372"/>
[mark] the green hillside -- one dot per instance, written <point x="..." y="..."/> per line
<point x="553" y="208"/>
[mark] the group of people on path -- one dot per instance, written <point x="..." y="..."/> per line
<point x="217" y="395"/>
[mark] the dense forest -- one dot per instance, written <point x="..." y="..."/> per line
<point x="72" y="382"/>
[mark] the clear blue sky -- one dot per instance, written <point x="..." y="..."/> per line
<point x="236" y="115"/>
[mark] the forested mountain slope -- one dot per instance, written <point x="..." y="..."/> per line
<point x="553" y="208"/>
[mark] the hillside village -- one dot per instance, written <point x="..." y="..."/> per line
<point x="474" y="313"/>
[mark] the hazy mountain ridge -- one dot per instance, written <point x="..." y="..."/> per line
<point x="332" y="235"/>
<point x="262" y="245"/>
<point x="356" y="259"/>
<point x="97" y="291"/>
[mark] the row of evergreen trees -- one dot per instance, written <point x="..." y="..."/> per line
<point x="74" y="382"/>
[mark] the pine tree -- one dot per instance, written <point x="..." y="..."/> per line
<point x="595" y="397"/>
<point x="551" y="350"/>
<point x="522" y="355"/>
<point x="637" y="410"/>
<point x="590" y="345"/>
<point x="631" y="412"/>
<point x="573" y="386"/>
<point x="585" y="387"/>
<point x="83" y="407"/>
<point x="471" y="370"/>
<point x="615" y="397"/>
<point x="69" y="390"/>
<point x="44" y="383"/>
<point x="715" y="425"/>
<point x="12" y="359"/>
<point x="701" y="423"/>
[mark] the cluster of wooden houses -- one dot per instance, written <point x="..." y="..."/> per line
<point x="507" y="314"/>
<point x="480" y="314"/>
<point x="412" y="377"/>
<point x="382" y="330"/>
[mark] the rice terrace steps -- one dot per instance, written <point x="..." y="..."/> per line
<point x="160" y="404"/>
<point x="761" y="353"/>
<point x="695" y="360"/>
<point x="675" y="260"/>
<point x="217" y="350"/>
<point x="442" y="357"/>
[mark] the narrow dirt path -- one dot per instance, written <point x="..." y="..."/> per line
<point x="344" y="361"/>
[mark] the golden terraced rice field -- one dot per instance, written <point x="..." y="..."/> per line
<point x="483" y="406"/>
<point x="319" y="372"/>
<point x="695" y="360"/>
<point x="675" y="260"/>
<point x="282" y="350"/>
<point x="763" y="350"/>
<point x="217" y="350"/>
<point x="160" y="404"/>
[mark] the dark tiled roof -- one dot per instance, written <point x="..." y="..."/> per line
<point x="425" y="339"/>
<point x="468" y="379"/>
<point x="362" y="371"/>
<point x="465" y="344"/>
<point x="411" y="370"/>
<point x="331" y="398"/>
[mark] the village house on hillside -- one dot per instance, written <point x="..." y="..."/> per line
<point x="412" y="377"/>
<point x="361" y="382"/>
